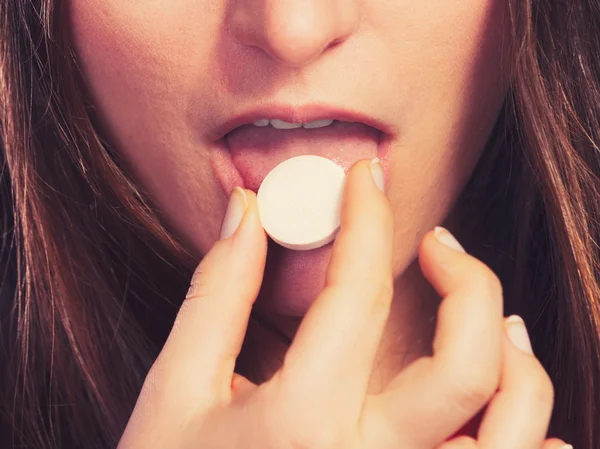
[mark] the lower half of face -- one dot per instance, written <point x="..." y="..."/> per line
<point x="166" y="77"/>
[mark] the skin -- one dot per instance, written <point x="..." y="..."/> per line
<point x="162" y="83"/>
<point x="164" y="75"/>
<point x="318" y="399"/>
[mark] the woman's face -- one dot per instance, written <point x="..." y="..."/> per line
<point x="167" y="78"/>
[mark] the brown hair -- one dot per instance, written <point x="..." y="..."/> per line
<point x="90" y="272"/>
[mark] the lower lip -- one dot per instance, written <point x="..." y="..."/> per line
<point x="292" y="279"/>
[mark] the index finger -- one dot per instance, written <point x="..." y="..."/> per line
<point x="329" y="363"/>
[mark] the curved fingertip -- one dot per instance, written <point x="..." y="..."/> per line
<point x="442" y="235"/>
<point x="358" y="165"/>
<point x="378" y="174"/>
<point x="365" y="175"/>
<point x="440" y="254"/>
<point x="439" y="243"/>
<point x="241" y="248"/>
<point x="352" y="174"/>
<point x="462" y="442"/>
<point x="517" y="333"/>
<point x="555" y="443"/>
<point x="359" y="181"/>
<point x="234" y="214"/>
<point x="367" y="223"/>
<point x="251" y="225"/>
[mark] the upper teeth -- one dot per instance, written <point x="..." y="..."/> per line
<point x="280" y="124"/>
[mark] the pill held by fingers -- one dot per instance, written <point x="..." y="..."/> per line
<point x="299" y="202"/>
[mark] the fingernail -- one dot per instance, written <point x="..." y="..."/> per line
<point x="517" y="332"/>
<point x="377" y="173"/>
<point x="234" y="214"/>
<point x="567" y="446"/>
<point x="444" y="236"/>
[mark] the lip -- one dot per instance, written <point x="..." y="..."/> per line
<point x="299" y="114"/>
<point x="229" y="176"/>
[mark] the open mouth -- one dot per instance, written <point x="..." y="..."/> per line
<point x="256" y="148"/>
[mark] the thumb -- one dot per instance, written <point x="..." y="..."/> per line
<point x="197" y="361"/>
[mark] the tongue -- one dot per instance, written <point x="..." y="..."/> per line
<point x="255" y="151"/>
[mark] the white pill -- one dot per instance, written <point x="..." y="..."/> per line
<point x="299" y="202"/>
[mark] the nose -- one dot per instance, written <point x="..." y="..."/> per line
<point x="293" y="32"/>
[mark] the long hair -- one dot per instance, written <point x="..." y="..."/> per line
<point x="90" y="274"/>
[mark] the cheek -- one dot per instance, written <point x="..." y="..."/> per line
<point x="438" y="59"/>
<point x="452" y="86"/>
<point x="142" y="65"/>
<point x="135" y="64"/>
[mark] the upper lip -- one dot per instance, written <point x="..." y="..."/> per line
<point x="299" y="114"/>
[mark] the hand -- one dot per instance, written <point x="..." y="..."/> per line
<point x="191" y="397"/>
<point x="518" y="414"/>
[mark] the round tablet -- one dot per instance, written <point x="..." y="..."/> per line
<point x="299" y="202"/>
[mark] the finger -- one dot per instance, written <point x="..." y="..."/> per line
<point x="434" y="397"/>
<point x="197" y="361"/>
<point x="555" y="443"/>
<point x="328" y="365"/>
<point x="519" y="414"/>
<point x="462" y="442"/>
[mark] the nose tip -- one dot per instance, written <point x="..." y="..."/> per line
<point x="293" y="33"/>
